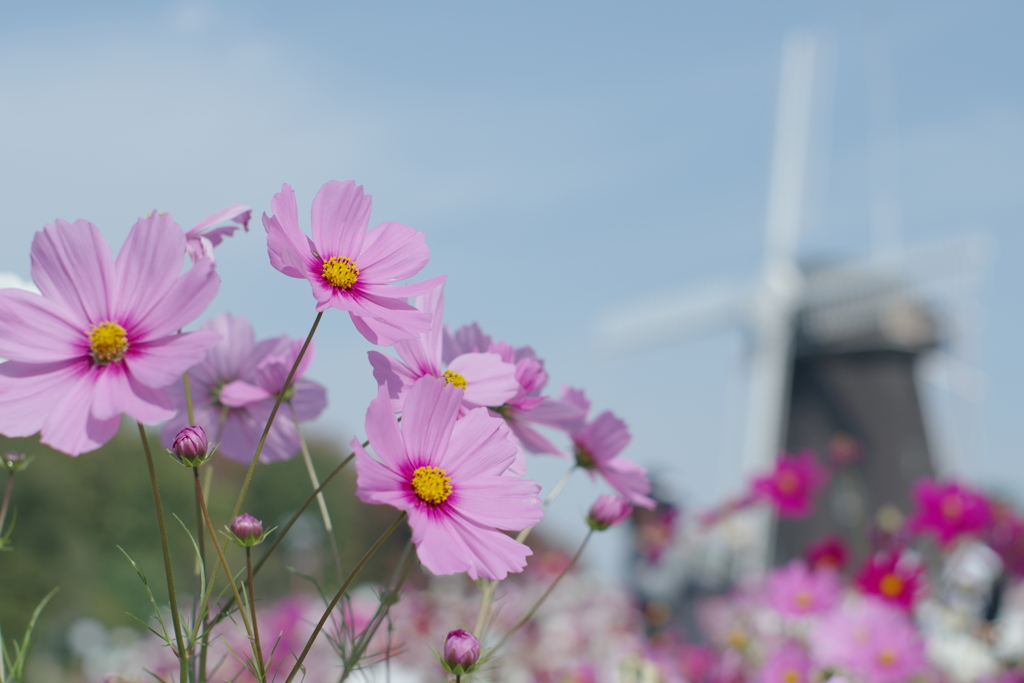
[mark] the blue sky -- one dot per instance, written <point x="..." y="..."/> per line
<point x="560" y="157"/>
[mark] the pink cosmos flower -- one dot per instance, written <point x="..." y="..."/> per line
<point x="485" y="379"/>
<point x="527" y="406"/>
<point x="791" y="487"/>
<point x="948" y="510"/>
<point x="101" y="339"/>
<point x="870" y="639"/>
<point x="203" y="237"/>
<point x="447" y="473"/>
<point x="234" y="389"/>
<point x="796" y="590"/>
<point x="790" y="663"/>
<point x="348" y="267"/>
<point x="829" y="552"/>
<point x="597" y="444"/>
<point x="894" y="577"/>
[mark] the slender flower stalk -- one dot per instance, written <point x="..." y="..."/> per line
<point x="171" y="595"/>
<point x="223" y="561"/>
<point x="284" y="531"/>
<point x="487" y="587"/>
<point x="328" y="527"/>
<point x="7" y="501"/>
<point x="341" y="591"/>
<point x="260" y="662"/>
<point x="200" y="535"/>
<point x="398" y="577"/>
<point x="526" y="617"/>
<point x="273" y="414"/>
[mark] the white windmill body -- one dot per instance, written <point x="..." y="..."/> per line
<point x="832" y="300"/>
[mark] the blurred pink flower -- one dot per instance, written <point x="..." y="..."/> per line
<point x="870" y="639"/>
<point x="789" y="663"/>
<point x="948" y="510"/>
<point x="447" y="473"/>
<point x="791" y="487"/>
<point x="101" y="340"/>
<point x="485" y="379"/>
<point x="527" y="406"/>
<point x="894" y="577"/>
<point x="608" y="511"/>
<point x="597" y="445"/>
<point x="349" y="268"/>
<point x="234" y="389"/>
<point x="829" y="552"/>
<point x="203" y="237"/>
<point x="796" y="590"/>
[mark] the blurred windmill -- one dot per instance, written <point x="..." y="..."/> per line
<point x="833" y="346"/>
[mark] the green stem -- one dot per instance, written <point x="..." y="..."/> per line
<point x="273" y="414"/>
<point x="542" y="598"/>
<point x="261" y="664"/>
<point x="487" y="589"/>
<point x="223" y="561"/>
<point x="279" y="536"/>
<point x="398" y="577"/>
<point x="328" y="526"/>
<point x="7" y="501"/>
<point x="341" y="591"/>
<point x="188" y="400"/>
<point x="172" y="596"/>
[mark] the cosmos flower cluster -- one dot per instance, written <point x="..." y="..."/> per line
<point x="105" y="338"/>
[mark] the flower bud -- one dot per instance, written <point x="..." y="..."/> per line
<point x="607" y="511"/>
<point x="247" y="530"/>
<point x="461" y="651"/>
<point x="15" y="462"/>
<point x="190" y="446"/>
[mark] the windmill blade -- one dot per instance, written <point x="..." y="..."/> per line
<point x="960" y="257"/>
<point x="791" y="149"/>
<point x="672" y="318"/>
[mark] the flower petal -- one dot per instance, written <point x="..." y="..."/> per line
<point x="29" y="391"/>
<point x="286" y="243"/>
<point x="393" y="374"/>
<point x="449" y="544"/>
<point x="392" y="252"/>
<point x="147" y="267"/>
<point x="383" y="432"/>
<point x="429" y="418"/>
<point x="479" y="445"/>
<point x="181" y="303"/>
<point x="239" y="394"/>
<point x="506" y="503"/>
<point x="489" y="381"/>
<point x="38" y="330"/>
<point x="72" y="264"/>
<point x="162" y="361"/>
<point x="340" y="215"/>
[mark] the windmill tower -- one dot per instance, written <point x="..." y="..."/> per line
<point x="833" y="348"/>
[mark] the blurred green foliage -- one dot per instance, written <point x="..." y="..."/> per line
<point x="72" y="513"/>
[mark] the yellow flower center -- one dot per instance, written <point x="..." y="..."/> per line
<point x="891" y="585"/>
<point x="803" y="599"/>
<point x="887" y="657"/>
<point x="451" y="377"/>
<point x="431" y="484"/>
<point x="108" y="342"/>
<point x="340" y="271"/>
<point x="787" y="482"/>
<point x="791" y="676"/>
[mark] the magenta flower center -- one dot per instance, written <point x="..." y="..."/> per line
<point x="108" y="342"/>
<point x="340" y="271"/>
<point x="452" y="377"/>
<point x="431" y="484"/>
